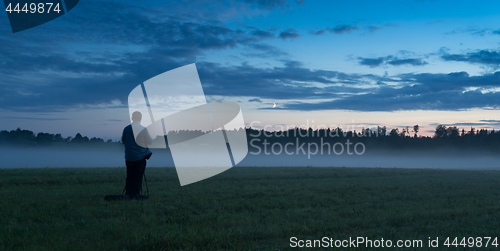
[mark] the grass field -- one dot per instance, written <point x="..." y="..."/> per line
<point x="243" y="208"/>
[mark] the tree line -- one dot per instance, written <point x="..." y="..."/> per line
<point x="21" y="137"/>
<point x="400" y="138"/>
<point x="406" y="138"/>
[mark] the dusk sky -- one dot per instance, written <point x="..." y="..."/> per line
<point x="333" y="63"/>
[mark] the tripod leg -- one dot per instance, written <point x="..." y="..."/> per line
<point x="146" y="181"/>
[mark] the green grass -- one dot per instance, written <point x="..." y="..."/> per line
<point x="242" y="208"/>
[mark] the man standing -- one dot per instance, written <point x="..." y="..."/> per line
<point x="136" y="138"/>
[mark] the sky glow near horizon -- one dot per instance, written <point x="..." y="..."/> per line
<point x="334" y="63"/>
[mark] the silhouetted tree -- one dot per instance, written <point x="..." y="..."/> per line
<point x="78" y="139"/>
<point x="44" y="138"/>
<point x="381" y="131"/>
<point x="21" y="137"/>
<point x="440" y="131"/>
<point x="58" y="138"/>
<point x="95" y="140"/>
<point x="452" y="131"/>
<point x="394" y="132"/>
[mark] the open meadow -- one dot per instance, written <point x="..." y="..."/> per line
<point x="243" y="208"/>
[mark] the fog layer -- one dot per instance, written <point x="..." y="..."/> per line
<point x="114" y="157"/>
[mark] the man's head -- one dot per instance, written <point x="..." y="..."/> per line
<point x="137" y="117"/>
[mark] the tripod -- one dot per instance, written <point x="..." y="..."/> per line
<point x="146" y="181"/>
<point x="140" y="196"/>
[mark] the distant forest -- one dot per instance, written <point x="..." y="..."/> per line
<point x="20" y="137"/>
<point x="380" y="137"/>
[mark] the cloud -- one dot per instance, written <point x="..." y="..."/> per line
<point x="62" y="71"/>
<point x="323" y="90"/>
<point x="371" y="62"/>
<point x="262" y="34"/>
<point x="490" y="121"/>
<point x="289" y="34"/>
<point x="273" y="4"/>
<point x="472" y="124"/>
<point x="130" y="45"/>
<point x="418" y="92"/>
<point x="486" y="57"/>
<point x="348" y="28"/>
<point x="375" y="28"/>
<point x="391" y="60"/>
<point x="313" y="89"/>
<point x="339" y="29"/>
<point x="290" y="81"/>
<point x="475" y="31"/>
<point x="270" y="4"/>
<point x="408" y="61"/>
<point x="264" y="51"/>
<point x="378" y="102"/>
<point x="258" y="100"/>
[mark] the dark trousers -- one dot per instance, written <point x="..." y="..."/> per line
<point x="135" y="171"/>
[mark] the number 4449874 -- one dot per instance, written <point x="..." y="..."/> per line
<point x="471" y="242"/>
<point x="33" y="8"/>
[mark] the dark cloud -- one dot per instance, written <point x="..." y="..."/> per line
<point x="270" y="4"/>
<point x="408" y="61"/>
<point x="258" y="100"/>
<point x="339" y="29"/>
<point x="482" y="32"/>
<point x="173" y="39"/>
<point x="262" y="34"/>
<point x="318" y="32"/>
<point x="374" y="28"/>
<point x="264" y="51"/>
<point x="419" y="92"/>
<point x="391" y="60"/>
<point x="451" y="100"/>
<point x="486" y="57"/>
<point x="372" y="62"/>
<point x="52" y="67"/>
<point x="472" y="124"/>
<point x="289" y="34"/>
<point x="490" y="121"/>
<point x="347" y="28"/>
<point x="291" y="81"/>
<point x="475" y="32"/>
<point x="293" y="64"/>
